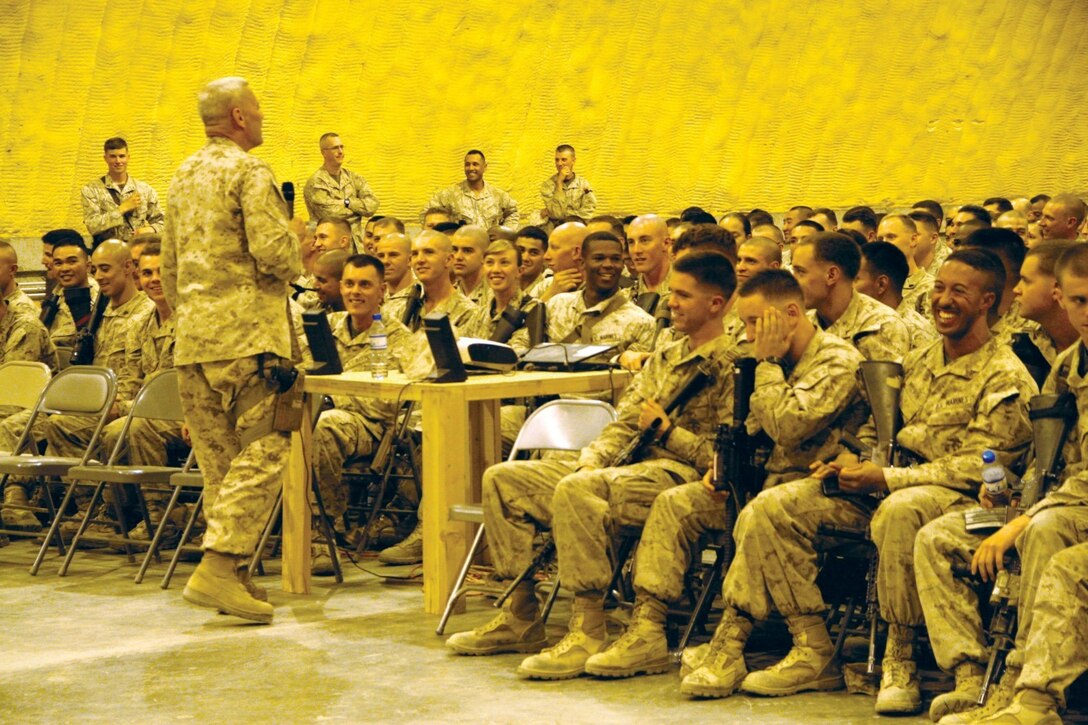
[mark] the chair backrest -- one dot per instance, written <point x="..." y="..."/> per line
<point x="80" y="390"/>
<point x="159" y="398"/>
<point x="22" y="383"/>
<point x="563" y="425"/>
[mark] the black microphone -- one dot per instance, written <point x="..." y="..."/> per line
<point x="289" y="196"/>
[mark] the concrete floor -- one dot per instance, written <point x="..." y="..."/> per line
<point x="94" y="647"/>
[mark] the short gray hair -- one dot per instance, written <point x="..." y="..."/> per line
<point x="217" y="98"/>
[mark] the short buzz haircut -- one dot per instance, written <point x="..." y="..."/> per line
<point x="904" y="219"/>
<point x="152" y="249"/>
<point x="9" y="248"/>
<point x="710" y="269"/>
<point x="1074" y="261"/>
<point x="758" y="217"/>
<point x="1048" y="253"/>
<point x="326" y="136"/>
<point x="534" y="232"/>
<point x="56" y="237"/>
<point x="437" y="210"/>
<point x="745" y="222"/>
<point x="1003" y="204"/>
<point x="392" y="221"/>
<point x="362" y="261"/>
<point x="810" y="224"/>
<point x="923" y="218"/>
<point x="114" y="143"/>
<point x="476" y="152"/>
<point x="333" y="260"/>
<point x="499" y="246"/>
<point x="977" y="212"/>
<point x="837" y="249"/>
<point x="598" y="237"/>
<point x="931" y="206"/>
<point x="985" y="261"/>
<point x="1040" y="197"/>
<point x="829" y="213"/>
<point x="340" y="224"/>
<point x="864" y="215"/>
<point x="562" y="148"/>
<point x="69" y="242"/>
<point x="884" y="258"/>
<point x="858" y="237"/>
<point x="773" y="284"/>
<point x="616" y="224"/>
<point x="1005" y="243"/>
<point x="709" y="238"/>
<point x="806" y="211"/>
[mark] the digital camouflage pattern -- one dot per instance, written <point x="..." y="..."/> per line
<point x="325" y="197"/>
<point x="101" y="212"/>
<point x="492" y="207"/>
<point x="574" y="198"/>
<point x="613" y="321"/>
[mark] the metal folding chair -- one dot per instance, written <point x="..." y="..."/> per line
<point x="559" y="425"/>
<point x="186" y="478"/>
<point x="158" y="399"/>
<point x="21" y="385"/>
<point x="81" y="390"/>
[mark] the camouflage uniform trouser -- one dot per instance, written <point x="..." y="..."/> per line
<point x="240" y="483"/>
<point x="341" y="436"/>
<point x="677" y="518"/>
<point x="951" y="606"/>
<point x="1054" y="654"/>
<point x="775" y="566"/>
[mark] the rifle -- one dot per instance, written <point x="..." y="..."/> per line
<point x="50" y="308"/>
<point x="510" y="321"/>
<point x="83" y="349"/>
<point x="662" y="319"/>
<point x="536" y="319"/>
<point x="734" y="466"/>
<point x="691" y="387"/>
<point x="882" y="382"/>
<point x="648" y="301"/>
<point x="1053" y="417"/>
<point x="412" y="306"/>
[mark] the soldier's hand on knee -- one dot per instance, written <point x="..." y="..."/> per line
<point x="989" y="558"/>
<point x="864" y="477"/>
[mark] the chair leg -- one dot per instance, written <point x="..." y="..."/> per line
<point x="181" y="542"/>
<point x="255" y="564"/>
<point x="156" y="540"/>
<point x="707" y="592"/>
<point x="84" y="522"/>
<point x="543" y="555"/>
<point x="458" y="586"/>
<point x="550" y="601"/>
<point x="329" y="532"/>
<point x="379" y="502"/>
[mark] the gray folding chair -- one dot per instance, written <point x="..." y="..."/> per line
<point x="559" y="425"/>
<point x="21" y="385"/>
<point x="158" y="399"/>
<point x="80" y="390"/>
<point x="186" y="478"/>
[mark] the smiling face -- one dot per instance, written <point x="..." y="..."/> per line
<point x="532" y="257"/>
<point x="691" y="304"/>
<point x="327" y="237"/>
<point x="475" y="166"/>
<point x="431" y="257"/>
<point x="502" y="271"/>
<point x="648" y="243"/>
<point x="959" y="299"/>
<point x="150" y="279"/>
<point x="71" y="266"/>
<point x="112" y="271"/>
<point x="603" y="265"/>
<point x="332" y="151"/>
<point x="117" y="161"/>
<point x="811" y="274"/>
<point x="361" y="288"/>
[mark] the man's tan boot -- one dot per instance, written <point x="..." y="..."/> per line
<point x="722" y="669"/>
<point x="517" y="628"/>
<point x="965" y="695"/>
<point x="999" y="698"/>
<point x="215" y="585"/>
<point x="1029" y="707"/>
<point x="586" y="636"/>
<point x="809" y="665"/>
<point x="246" y="577"/>
<point x="900" y="689"/>
<point x="642" y="650"/>
<point x="15" y="518"/>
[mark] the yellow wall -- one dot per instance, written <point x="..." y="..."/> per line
<point x="725" y="104"/>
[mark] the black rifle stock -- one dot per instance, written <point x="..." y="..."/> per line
<point x="510" y="321"/>
<point x="412" y="306"/>
<point x="691" y="387"/>
<point x="662" y="319"/>
<point x="536" y="319"/>
<point x="1053" y="417"/>
<point x="648" y="301"/>
<point x="83" y="350"/>
<point x="733" y="467"/>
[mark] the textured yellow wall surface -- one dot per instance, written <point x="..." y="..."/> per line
<point x="723" y="104"/>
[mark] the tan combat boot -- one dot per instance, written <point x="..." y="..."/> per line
<point x="517" y="628"/>
<point x="809" y="665"/>
<point x="964" y="697"/>
<point x="246" y="578"/>
<point x="408" y="551"/>
<point x="1029" y="707"/>
<point x="586" y="636"/>
<point x="692" y="658"/>
<point x="999" y="698"/>
<point x="900" y="690"/>
<point x="16" y="518"/>
<point x="215" y="585"/>
<point x="642" y="650"/>
<point x="722" y="668"/>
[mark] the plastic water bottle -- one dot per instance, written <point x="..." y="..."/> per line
<point x="379" y="348"/>
<point x="993" y="476"/>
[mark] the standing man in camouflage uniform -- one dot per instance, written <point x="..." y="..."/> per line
<point x="584" y="499"/>
<point x="474" y="201"/>
<point x="803" y="403"/>
<point x="117" y="205"/>
<point x="228" y="253"/>
<point x="825" y="264"/>
<point x="334" y="192"/>
<point x="962" y="394"/>
<point x="1055" y="522"/>
<point x="565" y="193"/>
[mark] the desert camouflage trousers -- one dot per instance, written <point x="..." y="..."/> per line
<point x="951" y="604"/>
<point x="778" y="534"/>
<point x="240" y="483"/>
<point x="583" y="509"/>
<point x="341" y="437"/>
<point x="1054" y="654"/>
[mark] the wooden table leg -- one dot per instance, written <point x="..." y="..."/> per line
<point x="296" y="509"/>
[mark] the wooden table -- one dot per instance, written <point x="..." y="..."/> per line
<point x="461" y="438"/>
